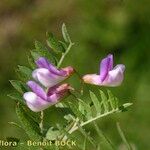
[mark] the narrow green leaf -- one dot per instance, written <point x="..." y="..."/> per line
<point x="18" y="85"/>
<point x="30" y="127"/>
<point x="104" y="101"/>
<point x="87" y="135"/>
<point x="113" y="100"/>
<point x="98" y="147"/>
<point x="42" y="51"/>
<point x="25" y="71"/>
<point x="128" y="146"/>
<point x="75" y="110"/>
<point x="81" y="108"/>
<point x="47" y="54"/>
<point x="15" y="124"/>
<point x="39" y="46"/>
<point x="35" y="55"/>
<point x="65" y="34"/>
<point x="54" y="44"/>
<point x="69" y="117"/>
<point x="84" y="144"/>
<point x="127" y="104"/>
<point x="96" y="102"/>
<point x="102" y="136"/>
<point x="31" y="61"/>
<point x="87" y="108"/>
<point x="34" y="115"/>
<point x="16" y="96"/>
<point x="64" y="45"/>
<point x="123" y="107"/>
<point x="116" y="102"/>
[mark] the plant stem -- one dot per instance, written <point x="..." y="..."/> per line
<point x="101" y="134"/>
<point x="64" y="55"/>
<point x="41" y="123"/>
<point x="86" y="135"/>
<point x="72" y="126"/>
<point x="123" y="137"/>
<point x="84" y="144"/>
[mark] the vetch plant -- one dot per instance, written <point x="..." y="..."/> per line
<point x="40" y="87"/>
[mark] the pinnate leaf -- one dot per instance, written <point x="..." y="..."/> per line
<point x="65" y="34"/>
<point x="19" y="86"/>
<point x="96" y="102"/>
<point x="28" y="124"/>
<point x="16" y="96"/>
<point x="54" y="44"/>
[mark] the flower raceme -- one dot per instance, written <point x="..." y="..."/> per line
<point x="39" y="99"/>
<point x="108" y="76"/>
<point x="48" y="75"/>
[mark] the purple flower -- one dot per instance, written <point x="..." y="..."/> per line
<point x="38" y="99"/>
<point x="48" y="75"/>
<point x="108" y="76"/>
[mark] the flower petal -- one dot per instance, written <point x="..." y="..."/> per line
<point x="34" y="74"/>
<point x="57" y="92"/>
<point x="46" y="78"/>
<point x="92" y="79"/>
<point x="115" y="76"/>
<point x="35" y="103"/>
<point x="69" y="70"/>
<point x="44" y="63"/>
<point x="105" y="66"/>
<point x="37" y="89"/>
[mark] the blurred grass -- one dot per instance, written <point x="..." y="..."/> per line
<point x="97" y="27"/>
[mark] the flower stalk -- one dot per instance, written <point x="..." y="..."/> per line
<point x="41" y="124"/>
<point x="64" y="54"/>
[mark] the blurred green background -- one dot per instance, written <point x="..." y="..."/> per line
<point x="97" y="27"/>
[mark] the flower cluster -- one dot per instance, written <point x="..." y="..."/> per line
<point x="50" y="92"/>
<point x="49" y="77"/>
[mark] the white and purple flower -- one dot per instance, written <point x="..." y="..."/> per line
<point x="39" y="99"/>
<point x="48" y="75"/>
<point x="108" y="76"/>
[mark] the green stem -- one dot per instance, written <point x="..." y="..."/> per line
<point x="101" y="134"/>
<point x="64" y="55"/>
<point x="86" y="135"/>
<point x="41" y="123"/>
<point x="84" y="144"/>
<point x="72" y="126"/>
<point x="123" y="137"/>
